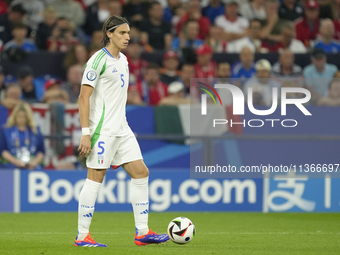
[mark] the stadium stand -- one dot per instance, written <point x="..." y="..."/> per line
<point x="53" y="39"/>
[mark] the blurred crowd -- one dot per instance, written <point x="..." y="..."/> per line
<point x="225" y="25"/>
<point x="186" y="32"/>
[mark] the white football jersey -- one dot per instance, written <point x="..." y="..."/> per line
<point x="110" y="79"/>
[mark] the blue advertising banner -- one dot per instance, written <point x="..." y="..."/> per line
<point x="6" y="191"/>
<point x="298" y="193"/>
<point x="169" y="191"/>
<point x="34" y="191"/>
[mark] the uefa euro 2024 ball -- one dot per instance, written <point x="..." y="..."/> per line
<point x="181" y="230"/>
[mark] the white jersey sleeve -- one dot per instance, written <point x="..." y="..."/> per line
<point x="94" y="67"/>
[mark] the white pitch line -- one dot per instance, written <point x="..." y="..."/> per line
<point x="207" y="233"/>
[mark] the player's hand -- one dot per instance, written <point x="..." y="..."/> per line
<point x="85" y="146"/>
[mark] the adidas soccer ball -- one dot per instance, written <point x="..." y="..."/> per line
<point x="181" y="230"/>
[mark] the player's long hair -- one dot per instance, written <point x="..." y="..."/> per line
<point x="11" y="122"/>
<point x="109" y="23"/>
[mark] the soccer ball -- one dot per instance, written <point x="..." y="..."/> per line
<point x="181" y="230"/>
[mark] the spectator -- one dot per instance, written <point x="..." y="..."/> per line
<point x="137" y="65"/>
<point x="205" y="66"/>
<point x="134" y="32"/>
<point x="176" y="95"/>
<point x="12" y="96"/>
<point x="93" y="49"/>
<point x="215" y="40"/>
<point x="152" y="90"/>
<point x="45" y="28"/>
<point x="290" y="10"/>
<point x="34" y="10"/>
<point x="73" y="82"/>
<point x="337" y="75"/>
<point x="223" y="77"/>
<point x="234" y="26"/>
<point x="133" y="96"/>
<point x="2" y="83"/>
<point x="115" y="8"/>
<point x="326" y="41"/>
<point x="188" y="37"/>
<point x="292" y="84"/>
<point x="194" y="13"/>
<point x="333" y="98"/>
<point x="187" y="72"/>
<point x="53" y="93"/>
<point x="243" y="69"/>
<point x="62" y="36"/>
<point x="21" y="143"/>
<point x="77" y="54"/>
<point x="286" y="68"/>
<point x="71" y="10"/>
<point x="29" y="90"/>
<point x="97" y="38"/>
<point x="326" y="9"/>
<point x="15" y="15"/>
<point x="213" y="10"/>
<point x="287" y="41"/>
<point x="254" y="10"/>
<point x="261" y="83"/>
<point x="19" y="32"/>
<point x="307" y="28"/>
<point x="136" y="12"/>
<point x="155" y="31"/>
<point x="3" y="7"/>
<point x="336" y="19"/>
<point x="223" y="71"/>
<point x="169" y="11"/>
<point x="82" y="3"/>
<point x="319" y="74"/>
<point x="179" y="14"/>
<point x="272" y="25"/>
<point x="169" y="72"/>
<point x="253" y="40"/>
<point x="95" y="16"/>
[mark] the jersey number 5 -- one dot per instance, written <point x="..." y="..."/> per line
<point x="100" y="146"/>
<point x="121" y="78"/>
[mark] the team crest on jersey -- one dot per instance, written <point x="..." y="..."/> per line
<point x="91" y="75"/>
<point x="100" y="160"/>
<point x="114" y="70"/>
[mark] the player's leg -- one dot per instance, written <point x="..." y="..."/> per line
<point x="139" y="194"/>
<point x="97" y="162"/>
<point x="130" y="158"/>
<point x="87" y="200"/>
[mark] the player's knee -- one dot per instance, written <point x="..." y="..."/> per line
<point x="95" y="175"/>
<point x="142" y="173"/>
<point x="96" y="178"/>
<point x="146" y="172"/>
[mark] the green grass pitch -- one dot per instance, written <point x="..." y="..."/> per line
<point x="217" y="233"/>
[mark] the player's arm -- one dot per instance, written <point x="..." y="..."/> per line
<point x="84" y="114"/>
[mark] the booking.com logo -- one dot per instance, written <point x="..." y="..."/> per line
<point x="239" y="103"/>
